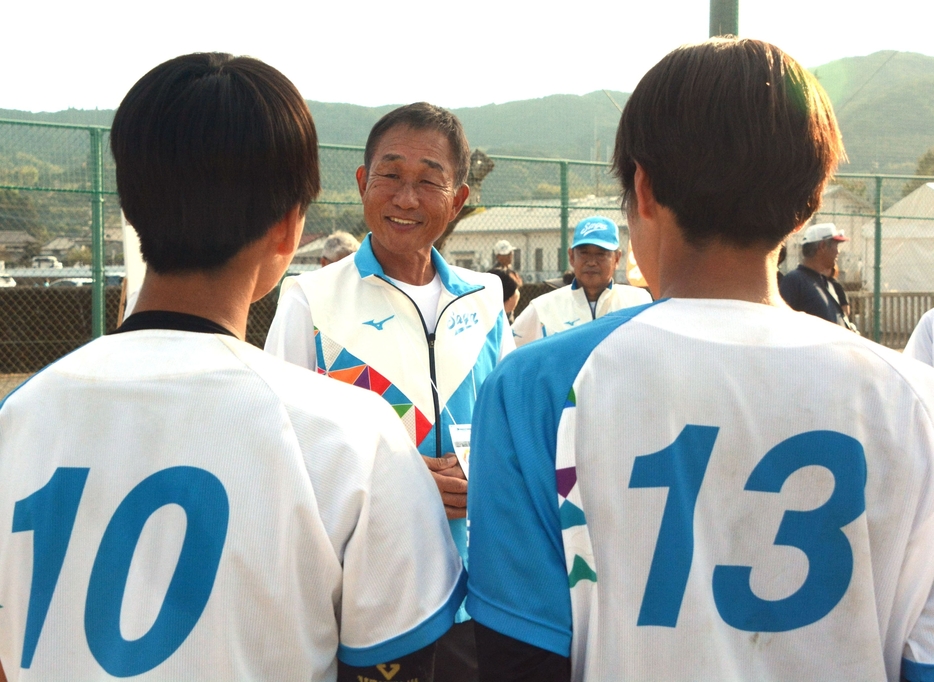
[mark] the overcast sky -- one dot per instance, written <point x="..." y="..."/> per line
<point x="86" y="54"/>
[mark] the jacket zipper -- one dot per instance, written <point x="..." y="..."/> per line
<point x="432" y="370"/>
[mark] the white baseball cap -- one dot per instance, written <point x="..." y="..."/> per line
<point x="503" y="247"/>
<point x="822" y="231"/>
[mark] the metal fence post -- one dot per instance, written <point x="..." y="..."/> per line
<point x="724" y="18"/>
<point x="97" y="233"/>
<point x="563" y="256"/>
<point x="877" y="268"/>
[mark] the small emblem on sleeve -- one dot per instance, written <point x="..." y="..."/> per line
<point x="571" y="323"/>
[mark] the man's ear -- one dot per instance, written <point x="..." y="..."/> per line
<point x="646" y="204"/>
<point x="460" y="197"/>
<point x="361" y="180"/>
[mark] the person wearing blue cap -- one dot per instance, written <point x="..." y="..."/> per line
<point x="594" y="256"/>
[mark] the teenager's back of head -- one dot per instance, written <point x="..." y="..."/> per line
<point x="211" y="151"/>
<point x="736" y="137"/>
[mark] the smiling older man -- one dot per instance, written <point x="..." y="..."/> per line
<point x="396" y="319"/>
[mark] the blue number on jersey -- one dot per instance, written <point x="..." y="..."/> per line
<point x="817" y="533"/>
<point x="681" y="466"/>
<point x="50" y="513"/>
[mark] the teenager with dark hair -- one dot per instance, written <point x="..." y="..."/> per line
<point x="183" y="505"/>
<point x="644" y="504"/>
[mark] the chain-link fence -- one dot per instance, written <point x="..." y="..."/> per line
<point x="61" y="241"/>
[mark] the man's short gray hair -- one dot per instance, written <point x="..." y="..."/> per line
<point x="339" y="245"/>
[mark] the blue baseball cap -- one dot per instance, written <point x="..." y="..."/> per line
<point x="598" y="231"/>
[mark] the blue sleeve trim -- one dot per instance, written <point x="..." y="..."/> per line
<point x="419" y="637"/>
<point x="518" y="582"/>
<point x="912" y="671"/>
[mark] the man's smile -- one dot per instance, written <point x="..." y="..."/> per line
<point x="402" y="221"/>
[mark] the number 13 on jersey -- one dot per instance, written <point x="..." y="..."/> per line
<point x="818" y="533"/>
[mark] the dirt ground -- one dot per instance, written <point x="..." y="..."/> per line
<point x="10" y="381"/>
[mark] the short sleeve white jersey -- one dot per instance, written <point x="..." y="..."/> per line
<point x="921" y="343"/>
<point x="183" y="506"/>
<point x="708" y="490"/>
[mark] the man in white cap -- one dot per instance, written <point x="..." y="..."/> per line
<point x="806" y="288"/>
<point x="594" y="256"/>
<point x="502" y="255"/>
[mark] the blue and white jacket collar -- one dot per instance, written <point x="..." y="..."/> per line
<point x="368" y="266"/>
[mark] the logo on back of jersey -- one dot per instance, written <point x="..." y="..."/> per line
<point x="378" y="326"/>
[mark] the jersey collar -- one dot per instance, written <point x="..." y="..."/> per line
<point x="576" y="285"/>
<point x="368" y="266"/>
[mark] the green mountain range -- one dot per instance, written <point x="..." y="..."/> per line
<point x="884" y="102"/>
<point x="885" y="106"/>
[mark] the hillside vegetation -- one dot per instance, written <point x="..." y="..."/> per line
<point x="884" y="102"/>
<point x="885" y="105"/>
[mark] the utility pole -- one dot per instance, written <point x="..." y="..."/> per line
<point x="724" y="18"/>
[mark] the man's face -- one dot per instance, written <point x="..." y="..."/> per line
<point x="593" y="265"/>
<point x="829" y="250"/>
<point x="408" y="194"/>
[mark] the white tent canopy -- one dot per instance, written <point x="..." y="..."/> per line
<point x="907" y="244"/>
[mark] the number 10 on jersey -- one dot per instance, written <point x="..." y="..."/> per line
<point x="818" y="533"/>
<point x="50" y="514"/>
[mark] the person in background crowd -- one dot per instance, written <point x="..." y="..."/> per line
<point x="557" y="282"/>
<point x="400" y="321"/>
<point x="502" y="253"/>
<point x="838" y="291"/>
<point x="184" y="506"/>
<point x="921" y="343"/>
<point x="339" y="245"/>
<point x="808" y="290"/>
<point x="510" y="290"/>
<point x="594" y="255"/>
<point x="644" y="505"/>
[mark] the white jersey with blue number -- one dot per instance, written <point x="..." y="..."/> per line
<point x="181" y="506"/>
<point x="920" y="345"/>
<point x="708" y="490"/>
